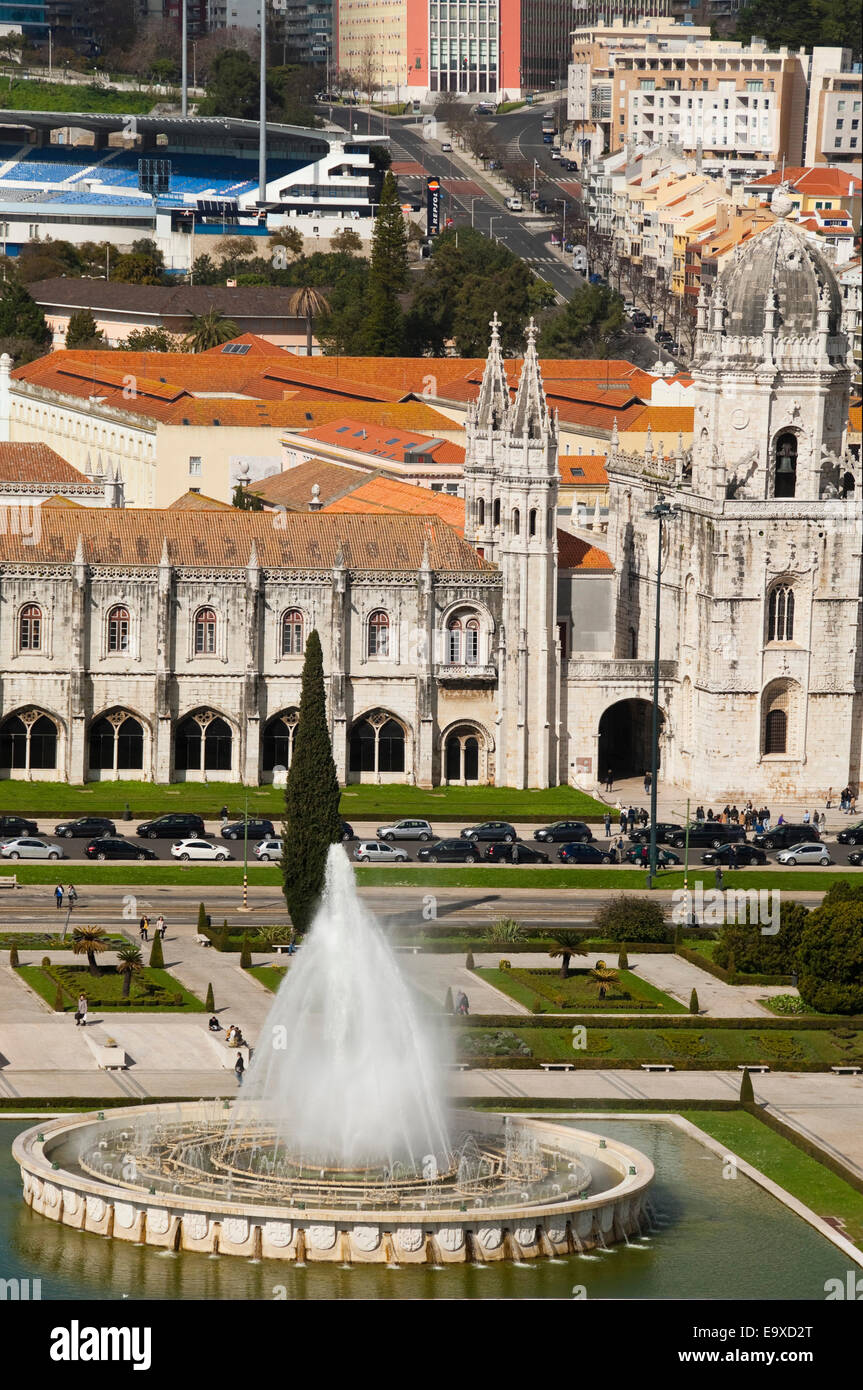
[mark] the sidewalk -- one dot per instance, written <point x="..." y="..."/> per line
<point x="671" y="804"/>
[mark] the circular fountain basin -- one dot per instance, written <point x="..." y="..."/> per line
<point x="575" y="1191"/>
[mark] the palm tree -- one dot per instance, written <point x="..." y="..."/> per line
<point x="129" y="962"/>
<point x="603" y="976"/>
<point x="566" y="947"/>
<point x="89" y="942"/>
<point x="308" y="303"/>
<point x="210" y="330"/>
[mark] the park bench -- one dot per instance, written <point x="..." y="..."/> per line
<point x="203" y="940"/>
<point x="109" y="1058"/>
<point x="747" y="1066"/>
<point x="847" y="1071"/>
<point x="8" y="880"/>
<point x="459" y="1066"/>
<point x="557" y="1066"/>
<point x="657" y="1066"/>
<point x="282" y="948"/>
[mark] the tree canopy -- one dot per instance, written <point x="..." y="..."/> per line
<point x="803" y="23"/>
<point x="830" y="954"/>
<point x="586" y="326"/>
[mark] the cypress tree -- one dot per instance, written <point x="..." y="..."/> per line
<point x="59" y="1001"/>
<point x="312" y="819"/>
<point x="210" y="1002"/>
<point x="448" y="1006"/>
<point x="383" y="333"/>
<point x="246" y="955"/>
<point x="157" y="959"/>
<point x="202" y="919"/>
<point x="623" y="959"/>
<point x="747" y="1095"/>
<point x="13" y="957"/>
<point x="83" y="331"/>
<point x="693" y="1002"/>
<point x="468" y="961"/>
<point x="21" y="317"/>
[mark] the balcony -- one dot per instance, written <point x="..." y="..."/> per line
<point x="464" y="673"/>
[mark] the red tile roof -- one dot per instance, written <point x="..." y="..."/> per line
<point x="385" y="441"/>
<point x="293" y="488"/>
<point x="384" y="494"/>
<point x="36" y="463"/>
<point x="582" y="470"/>
<point x="197" y="502"/>
<point x="576" y="554"/>
<point x="813" y="180"/>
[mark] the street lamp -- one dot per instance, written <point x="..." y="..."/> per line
<point x="562" y="202"/>
<point x="661" y="512"/>
<point x="473" y="202"/>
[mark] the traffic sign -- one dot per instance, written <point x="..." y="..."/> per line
<point x="534" y="195"/>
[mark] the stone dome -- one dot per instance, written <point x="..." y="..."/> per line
<point x="783" y="259"/>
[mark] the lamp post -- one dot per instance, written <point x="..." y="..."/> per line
<point x="661" y="512"/>
<point x="184" y="60"/>
<point x="472" y="205"/>
<point x="245" y="906"/>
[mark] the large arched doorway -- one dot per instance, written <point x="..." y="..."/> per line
<point x="278" y="745"/>
<point x="203" y="743"/>
<point x="28" y="744"/>
<point x="625" y="733"/>
<point x="465" y="750"/>
<point x="116" y="744"/>
<point x="376" y="748"/>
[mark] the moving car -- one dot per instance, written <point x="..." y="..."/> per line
<point x="636" y="855"/>
<point x="515" y="854"/>
<point x="563" y="830"/>
<point x="571" y="166"/>
<point x="781" y="836"/>
<point x="709" y="834"/>
<point x="449" y="852"/>
<point x="378" y="852"/>
<point x="12" y="826"/>
<point x="804" y="853"/>
<point x="856" y="858"/>
<point x="177" y="823"/>
<point x="853" y="835"/>
<point x="348" y="832"/>
<point x="580" y="853"/>
<point x="666" y="832"/>
<point x="515" y="204"/>
<point x="198" y="849"/>
<point x="406" y="830"/>
<point x="28" y="847"/>
<point x="743" y="854"/>
<point x="87" y="825"/>
<point x="115" y="847"/>
<point x="555" y="154"/>
<point x="446" y="147"/>
<point x="269" y="849"/>
<point x="491" y="830"/>
<point x="257" y="830"/>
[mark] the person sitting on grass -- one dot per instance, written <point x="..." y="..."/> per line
<point x="214" y="1025"/>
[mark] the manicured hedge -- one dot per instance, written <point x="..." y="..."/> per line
<point x="730" y="977"/>
<point x="797" y="1023"/>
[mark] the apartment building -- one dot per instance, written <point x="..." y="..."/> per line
<point x="835" y="110"/>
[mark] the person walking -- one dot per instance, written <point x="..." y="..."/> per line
<point x="622" y="820"/>
<point x="807" y="817"/>
<point x="647" y="784"/>
<point x="239" y="1068"/>
<point x="161" y="928"/>
<point x="609" y="780"/>
<point x="81" y="1011"/>
<point x="224" y="816"/>
<point x="58" y="896"/>
<point x="71" y="896"/>
<point x="144" y="928"/>
<point x="607" y="822"/>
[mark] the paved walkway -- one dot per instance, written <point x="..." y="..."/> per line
<point x="671" y="804"/>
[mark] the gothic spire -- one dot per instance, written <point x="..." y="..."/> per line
<point x="493" y="402"/>
<point x="530" y="410"/>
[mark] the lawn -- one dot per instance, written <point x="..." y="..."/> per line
<point x="47" y="941"/>
<point x="543" y="991"/>
<point x="269" y="975"/>
<point x="151" y="989"/>
<point x="17" y="94"/>
<point x="379" y="803"/>
<point x="778" y="1158"/>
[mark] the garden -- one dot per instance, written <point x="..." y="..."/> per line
<point x="544" y="991"/>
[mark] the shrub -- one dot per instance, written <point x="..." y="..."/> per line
<point x="629" y="917"/>
<point x="448" y="1006"/>
<point x="210" y="1002"/>
<point x="46" y="962"/>
<point x="59" y="1000"/>
<point x="622" y="959"/>
<point x="741" y="946"/>
<point x="157" y="959"/>
<point x="246" y="955"/>
<point x="830" y="954"/>
<point x="468" y="961"/>
<point x="13" y="956"/>
<point x="747" y="1095"/>
<point x="177" y="999"/>
<point x="504" y="964"/>
<point x="505" y="932"/>
<point x="787" y="1004"/>
<point x="693" y="1002"/>
<point x="202" y="918"/>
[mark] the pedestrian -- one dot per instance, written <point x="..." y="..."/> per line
<point x="622" y="821"/>
<point x="609" y="780"/>
<point x="81" y="1011"/>
<point x="829" y="797"/>
<point x="646" y="783"/>
<point x="643" y="817"/>
<point x="607" y="822"/>
<point x="58" y="896"/>
<point x="71" y="896"/>
<point x="645" y="856"/>
<point x="806" y="817"/>
<point x="631" y="818"/>
<point x="224" y="815"/>
<point x="239" y="1068"/>
<point x="621" y="849"/>
<point x="732" y="856"/>
<point x="160" y="926"/>
<point x="144" y="928"/>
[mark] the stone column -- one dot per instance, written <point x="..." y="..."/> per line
<point x="423" y="652"/>
<point x="160" y="747"/>
<point x="250" y="714"/>
<point x="78" y="698"/>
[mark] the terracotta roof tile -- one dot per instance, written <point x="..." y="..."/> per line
<point x="812" y="180"/>
<point x="197" y="502"/>
<point x="293" y="488"/>
<point x="385" y="441"/>
<point x="392" y="495"/>
<point x="35" y="463"/>
<point x="670" y="418"/>
<point x="576" y="554"/>
<point x="582" y="469"/>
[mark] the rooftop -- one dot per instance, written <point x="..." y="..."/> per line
<point x="168" y="301"/>
<point x="36" y="463"/>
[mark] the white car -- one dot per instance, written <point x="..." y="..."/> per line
<point x="515" y="204"/>
<point x="406" y="830"/>
<point x="198" y="849"/>
<point x="804" y="854"/>
<point x="29" y="847"/>
<point x="446" y="147"/>
<point x="378" y="852"/>
<point x="555" y="154"/>
<point x="268" y="849"/>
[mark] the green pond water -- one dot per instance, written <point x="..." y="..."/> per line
<point x="711" y="1237"/>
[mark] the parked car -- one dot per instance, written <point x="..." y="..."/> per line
<point x="446" y="147"/>
<point x="378" y="852"/>
<point x="515" y="854"/>
<point x="115" y="847"/>
<point x="672" y="347"/>
<point x="348" y="832"/>
<point x="491" y="830"/>
<point x="580" y="853"/>
<point x="555" y="238"/>
<point x="194" y="848"/>
<point x="269" y="849"/>
<point x="28" y="847"/>
<point x="571" y="166"/>
<point x="666" y="831"/>
<point x="257" y="830"/>
<point x="856" y="858"/>
<point x="177" y="823"/>
<point x="13" y="826"/>
<point x="637" y="854"/>
<point x="781" y="836"/>
<point x="804" y="853"/>
<point x="629" y="307"/>
<point x="406" y="830"/>
<point x="564" y="830"/>
<point x="740" y="854"/>
<point x="853" y="835"/>
<point x="709" y="834"/>
<point x="641" y="319"/>
<point x="449" y="852"/>
<point x="514" y="204"/>
<point x="555" y="154"/>
<point x="87" y="825"/>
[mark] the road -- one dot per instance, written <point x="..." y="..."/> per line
<point x="479" y="207"/>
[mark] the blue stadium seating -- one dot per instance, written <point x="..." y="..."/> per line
<point x="191" y="174"/>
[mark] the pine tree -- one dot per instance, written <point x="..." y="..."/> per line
<point x="157" y="959"/>
<point x="747" y="1095"/>
<point x="384" y="330"/>
<point x="210" y="1002"/>
<point x="202" y="919"/>
<point x="21" y="317"/>
<point x="83" y="331"/>
<point x="312" y="819"/>
<point x="693" y="1003"/>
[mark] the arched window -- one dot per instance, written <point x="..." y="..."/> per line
<point x="531" y="522"/>
<point x="379" y="634"/>
<point x="496" y="512"/>
<point x="453" y="642"/>
<point x="516" y="521"/>
<point x="480" y="512"/>
<point x="28" y="741"/>
<point x="205" y="632"/>
<point x="30" y="628"/>
<point x="279" y="737"/>
<point x="292" y="633"/>
<point x="780" y="614"/>
<point x="785" y="466"/>
<point x="471" y="642"/>
<point x="116" y="742"/>
<point x="377" y="744"/>
<point x="118" y="629"/>
<point x="776" y="731"/>
<point x="462" y="755"/>
<point x="777" y="711"/>
<point x="203" y="743"/>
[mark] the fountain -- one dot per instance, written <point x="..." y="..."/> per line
<point x="339" y="1147"/>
